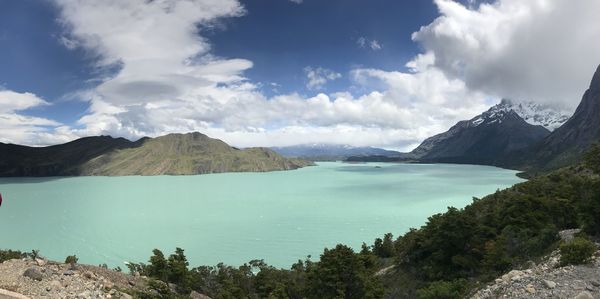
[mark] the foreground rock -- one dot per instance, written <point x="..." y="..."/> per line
<point x="31" y="279"/>
<point x="547" y="280"/>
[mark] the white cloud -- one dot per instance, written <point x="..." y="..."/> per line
<point x="19" y="128"/>
<point x="372" y="44"/>
<point x="297" y="1"/>
<point x="542" y="50"/>
<point x="318" y="77"/>
<point x="169" y="81"/>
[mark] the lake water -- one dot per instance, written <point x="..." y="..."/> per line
<point x="234" y="217"/>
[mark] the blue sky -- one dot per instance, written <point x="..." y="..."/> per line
<point x="280" y="72"/>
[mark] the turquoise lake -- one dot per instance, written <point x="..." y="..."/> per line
<point x="234" y="217"/>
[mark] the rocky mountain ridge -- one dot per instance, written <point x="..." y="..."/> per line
<point x="567" y="143"/>
<point x="485" y="139"/>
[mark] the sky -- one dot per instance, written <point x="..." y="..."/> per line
<point x="380" y="73"/>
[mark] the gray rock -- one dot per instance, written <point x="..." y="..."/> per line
<point x="41" y="261"/>
<point x="584" y="295"/>
<point x="34" y="274"/>
<point x="126" y="296"/>
<point x="69" y="273"/>
<point x="550" y="284"/>
<point x="568" y="234"/>
<point x="196" y="295"/>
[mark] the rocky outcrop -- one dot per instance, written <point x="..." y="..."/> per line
<point x="34" y="279"/>
<point x="547" y="280"/>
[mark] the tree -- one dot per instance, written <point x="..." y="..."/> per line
<point x="158" y="267"/>
<point x="341" y="274"/>
<point x="178" y="272"/>
<point x="591" y="159"/>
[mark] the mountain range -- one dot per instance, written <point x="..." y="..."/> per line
<point x="173" y="154"/>
<point x="522" y="136"/>
<point x="331" y="152"/>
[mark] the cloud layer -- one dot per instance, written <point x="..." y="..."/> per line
<point x="539" y="50"/>
<point x="168" y="80"/>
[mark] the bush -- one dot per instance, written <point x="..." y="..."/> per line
<point x="71" y="259"/>
<point x="6" y="255"/>
<point x="578" y="251"/>
<point x="443" y="290"/>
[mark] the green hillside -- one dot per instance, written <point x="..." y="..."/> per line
<point x="173" y="154"/>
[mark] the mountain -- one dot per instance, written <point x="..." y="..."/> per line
<point x="485" y="139"/>
<point x="566" y="144"/>
<point x="331" y="152"/>
<point x="534" y="114"/>
<point x="173" y="154"/>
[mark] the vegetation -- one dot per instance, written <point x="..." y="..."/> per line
<point x="71" y="259"/>
<point x="578" y="251"/>
<point x="6" y="255"/>
<point x="340" y="273"/>
<point x="446" y="258"/>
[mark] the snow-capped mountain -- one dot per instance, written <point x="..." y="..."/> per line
<point x="489" y="137"/>
<point x="532" y="113"/>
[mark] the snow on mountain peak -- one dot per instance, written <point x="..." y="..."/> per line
<point x="532" y="113"/>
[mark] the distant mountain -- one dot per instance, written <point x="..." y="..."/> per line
<point x="567" y="143"/>
<point x="174" y="154"/>
<point x="485" y="139"/>
<point x="331" y="152"/>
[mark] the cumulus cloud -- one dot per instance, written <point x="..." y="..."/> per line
<point x="17" y="127"/>
<point x="167" y="79"/>
<point x="318" y="77"/>
<point x="544" y="50"/>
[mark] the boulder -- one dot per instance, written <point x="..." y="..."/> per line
<point x="584" y="295"/>
<point x="34" y="274"/>
<point x="550" y="284"/>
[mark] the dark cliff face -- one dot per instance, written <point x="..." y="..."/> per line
<point x="566" y="144"/>
<point x="486" y="139"/>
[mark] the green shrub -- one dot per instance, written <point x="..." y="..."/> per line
<point x="578" y="251"/>
<point x="443" y="290"/>
<point x="71" y="259"/>
<point x="6" y="255"/>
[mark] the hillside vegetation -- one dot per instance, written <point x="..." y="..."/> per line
<point x="174" y="154"/>
<point x="453" y="253"/>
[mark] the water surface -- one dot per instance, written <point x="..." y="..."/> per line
<point x="234" y="217"/>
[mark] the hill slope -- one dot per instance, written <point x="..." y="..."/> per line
<point x="175" y="154"/>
